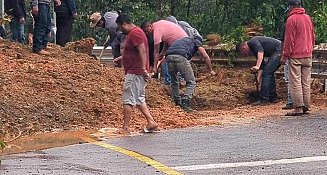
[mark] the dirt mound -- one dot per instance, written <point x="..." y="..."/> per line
<point x="82" y="46"/>
<point x="72" y="91"/>
<point x="69" y="90"/>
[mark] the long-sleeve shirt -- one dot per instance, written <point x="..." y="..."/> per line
<point x="15" y="8"/>
<point x="299" y="35"/>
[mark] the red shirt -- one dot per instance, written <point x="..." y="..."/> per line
<point x="299" y="35"/>
<point x="131" y="58"/>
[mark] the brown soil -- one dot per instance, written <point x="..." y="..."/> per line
<point x="69" y="91"/>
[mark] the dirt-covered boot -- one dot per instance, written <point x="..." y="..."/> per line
<point x="178" y="102"/>
<point x="186" y="105"/>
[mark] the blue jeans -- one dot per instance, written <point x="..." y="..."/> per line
<point x="289" y="98"/>
<point x="42" y="27"/>
<point x="179" y="64"/>
<point x="268" y="86"/>
<point x="165" y="73"/>
<point x="17" y="31"/>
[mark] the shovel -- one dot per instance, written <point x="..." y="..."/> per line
<point x="104" y="47"/>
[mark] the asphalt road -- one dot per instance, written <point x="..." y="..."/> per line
<point x="286" y="145"/>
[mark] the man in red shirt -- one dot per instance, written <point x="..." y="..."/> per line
<point x="298" y="46"/>
<point x="136" y="65"/>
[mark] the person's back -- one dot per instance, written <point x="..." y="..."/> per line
<point x="168" y="32"/>
<point x="300" y="35"/>
<point x="185" y="47"/>
<point x="263" y="44"/>
<point x="110" y="22"/>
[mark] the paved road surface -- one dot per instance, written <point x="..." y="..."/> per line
<point x="286" y="145"/>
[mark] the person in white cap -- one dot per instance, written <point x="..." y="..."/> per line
<point x="108" y="21"/>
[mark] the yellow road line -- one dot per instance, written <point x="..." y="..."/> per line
<point x="157" y="165"/>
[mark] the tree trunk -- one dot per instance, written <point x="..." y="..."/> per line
<point x="172" y="7"/>
<point x="189" y="8"/>
<point x="158" y="8"/>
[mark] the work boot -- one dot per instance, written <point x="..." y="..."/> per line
<point x="42" y="52"/>
<point x="186" y="105"/>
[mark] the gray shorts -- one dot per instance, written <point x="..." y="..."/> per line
<point x="134" y="90"/>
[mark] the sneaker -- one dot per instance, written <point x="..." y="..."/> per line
<point x="288" y="106"/>
<point x="43" y="52"/>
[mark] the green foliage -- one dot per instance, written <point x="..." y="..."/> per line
<point x="223" y="17"/>
<point x="320" y="20"/>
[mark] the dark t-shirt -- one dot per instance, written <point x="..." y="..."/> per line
<point x="131" y="56"/>
<point x="151" y="49"/>
<point x="263" y="44"/>
<point x="185" y="47"/>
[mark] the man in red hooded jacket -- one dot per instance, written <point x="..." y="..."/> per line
<point x="298" y="46"/>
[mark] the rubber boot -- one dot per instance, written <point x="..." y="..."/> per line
<point x="186" y="105"/>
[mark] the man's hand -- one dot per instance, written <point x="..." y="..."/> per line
<point x="212" y="72"/>
<point x="35" y="10"/>
<point x="58" y="2"/>
<point x="75" y="16"/>
<point x="22" y="20"/>
<point x="283" y="61"/>
<point x="146" y="76"/>
<point x="255" y="69"/>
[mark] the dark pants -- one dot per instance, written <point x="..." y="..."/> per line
<point x="42" y="27"/>
<point x="268" y="86"/>
<point x="64" y="28"/>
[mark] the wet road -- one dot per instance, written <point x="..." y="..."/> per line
<point x="286" y="145"/>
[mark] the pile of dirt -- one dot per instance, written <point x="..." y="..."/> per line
<point x="69" y="90"/>
<point x="72" y="91"/>
<point x="82" y="46"/>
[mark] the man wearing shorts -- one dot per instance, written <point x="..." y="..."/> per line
<point x="136" y="66"/>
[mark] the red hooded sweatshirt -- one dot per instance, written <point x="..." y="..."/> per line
<point x="299" y="35"/>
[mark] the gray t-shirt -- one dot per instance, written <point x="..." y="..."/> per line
<point x="191" y="31"/>
<point x="185" y="47"/>
<point x="263" y="44"/>
<point x="110" y="22"/>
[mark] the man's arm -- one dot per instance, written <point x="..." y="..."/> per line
<point x="35" y="7"/>
<point x="288" y="45"/>
<point x="143" y="55"/>
<point x="164" y="50"/>
<point x="156" y="57"/>
<point x="206" y="59"/>
<point x="19" y="12"/>
<point x="72" y="6"/>
<point x="259" y="61"/>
